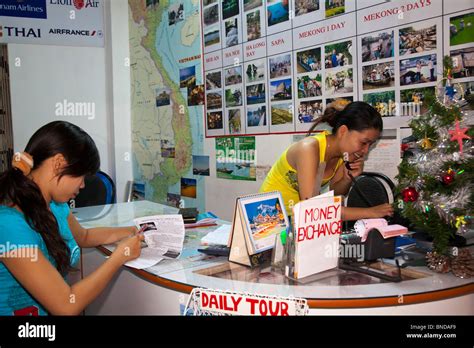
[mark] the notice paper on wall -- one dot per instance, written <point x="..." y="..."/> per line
<point x="385" y="156"/>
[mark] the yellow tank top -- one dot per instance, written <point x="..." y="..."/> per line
<point x="283" y="177"/>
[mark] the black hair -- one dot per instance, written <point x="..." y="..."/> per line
<point x="355" y="115"/>
<point x="16" y="189"/>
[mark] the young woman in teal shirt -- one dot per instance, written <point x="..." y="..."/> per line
<point x="40" y="238"/>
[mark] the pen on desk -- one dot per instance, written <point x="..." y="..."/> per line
<point x="141" y="230"/>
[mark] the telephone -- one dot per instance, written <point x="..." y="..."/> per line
<point x="354" y="183"/>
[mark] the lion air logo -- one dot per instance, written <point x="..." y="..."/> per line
<point x="79" y="4"/>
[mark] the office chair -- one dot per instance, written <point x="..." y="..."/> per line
<point x="368" y="190"/>
<point x="99" y="190"/>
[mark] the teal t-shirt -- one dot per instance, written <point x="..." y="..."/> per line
<point x="15" y="233"/>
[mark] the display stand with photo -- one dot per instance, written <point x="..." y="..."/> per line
<point x="257" y="220"/>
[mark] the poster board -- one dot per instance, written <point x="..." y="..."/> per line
<point x="280" y="63"/>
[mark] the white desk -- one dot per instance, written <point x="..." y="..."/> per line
<point x="164" y="288"/>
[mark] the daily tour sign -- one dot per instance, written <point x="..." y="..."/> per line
<point x="208" y="301"/>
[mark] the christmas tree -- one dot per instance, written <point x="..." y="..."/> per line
<point x="435" y="180"/>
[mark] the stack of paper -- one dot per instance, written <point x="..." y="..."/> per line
<point x="220" y="236"/>
<point x="205" y="219"/>
<point x="202" y="223"/>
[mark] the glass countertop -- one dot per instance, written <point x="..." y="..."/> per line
<point x="200" y="270"/>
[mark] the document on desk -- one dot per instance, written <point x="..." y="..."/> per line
<point x="164" y="238"/>
<point x="220" y="236"/>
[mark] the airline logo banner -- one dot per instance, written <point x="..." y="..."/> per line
<point x="52" y="22"/>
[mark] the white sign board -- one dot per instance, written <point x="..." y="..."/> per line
<point x="207" y="301"/>
<point x="52" y="22"/>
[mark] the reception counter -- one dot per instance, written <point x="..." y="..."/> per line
<point x="165" y="287"/>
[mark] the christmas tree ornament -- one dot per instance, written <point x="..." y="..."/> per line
<point x="449" y="93"/>
<point x="449" y="76"/>
<point x="462" y="265"/>
<point x="448" y="177"/>
<point x="426" y="143"/>
<point x="409" y="194"/>
<point x="460" y="220"/>
<point x="438" y="262"/>
<point x="404" y="148"/>
<point x="458" y="134"/>
<point x="465" y="224"/>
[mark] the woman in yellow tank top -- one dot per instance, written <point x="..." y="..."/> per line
<point x="355" y="126"/>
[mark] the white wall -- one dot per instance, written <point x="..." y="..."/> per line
<point x="41" y="76"/>
<point x="118" y="86"/>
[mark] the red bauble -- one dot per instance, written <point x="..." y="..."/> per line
<point x="409" y="194"/>
<point x="448" y="178"/>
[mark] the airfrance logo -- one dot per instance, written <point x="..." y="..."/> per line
<point x="78" y="4"/>
<point x="20" y="32"/>
<point x="75" y="32"/>
<point x="25" y="8"/>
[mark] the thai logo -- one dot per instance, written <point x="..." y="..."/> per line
<point x="20" y="32"/>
